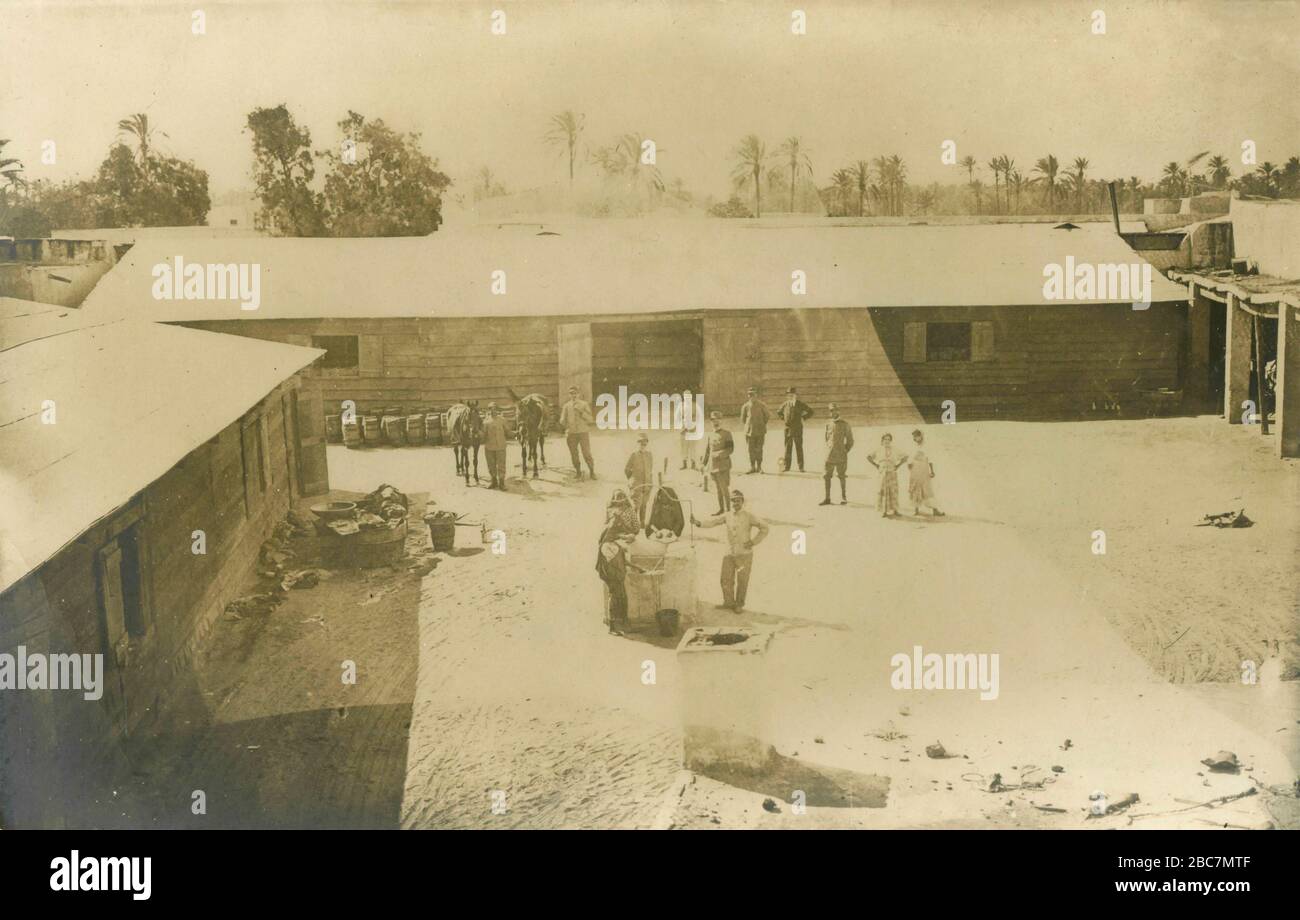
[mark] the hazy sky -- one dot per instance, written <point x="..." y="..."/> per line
<point x="1168" y="79"/>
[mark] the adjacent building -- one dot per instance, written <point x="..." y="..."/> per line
<point x="890" y="322"/>
<point x="143" y="467"/>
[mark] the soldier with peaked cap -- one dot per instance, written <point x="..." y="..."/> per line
<point x="839" y="441"/>
<point x="717" y="460"/>
<point x="576" y="419"/>
<point x="753" y="418"/>
<point x="639" y="470"/>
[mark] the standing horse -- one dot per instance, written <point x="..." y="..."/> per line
<point x="533" y="413"/>
<point x="465" y="427"/>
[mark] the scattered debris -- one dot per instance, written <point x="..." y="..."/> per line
<point x="1223" y="762"/>
<point x="261" y="604"/>
<point x="904" y="710"/>
<point x="770" y="805"/>
<point x="1057" y="769"/>
<point x="819" y="740"/>
<point x="1049" y="809"/>
<point x="1068" y="744"/>
<point x="1226" y="519"/>
<point x="889" y="734"/>
<point x="936" y="751"/>
<point x="302" y="578"/>
<point x="1113" y="807"/>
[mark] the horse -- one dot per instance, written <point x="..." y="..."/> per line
<point x="465" y="430"/>
<point x="533" y="414"/>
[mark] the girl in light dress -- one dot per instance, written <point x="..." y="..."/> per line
<point x="920" y="475"/>
<point x="888" y="463"/>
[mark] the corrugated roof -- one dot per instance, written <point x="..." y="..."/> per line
<point x="630" y="266"/>
<point x="131" y="399"/>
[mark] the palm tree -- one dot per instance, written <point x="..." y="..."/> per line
<point x="897" y="182"/>
<point x="1174" y="177"/>
<point x="995" y="166"/>
<point x="861" y="173"/>
<point x="137" y="126"/>
<point x="10" y="170"/>
<point x="623" y="158"/>
<point x="1014" y="181"/>
<point x="1081" y="165"/>
<point x="1268" y="173"/>
<point x="842" y="183"/>
<point x="1047" y="168"/>
<point x="1216" y="168"/>
<point x="969" y="163"/>
<point x="1135" y="184"/>
<point x="1008" y="165"/>
<point x="563" y="133"/>
<point x="750" y="156"/>
<point x="792" y="151"/>
<point x="977" y="187"/>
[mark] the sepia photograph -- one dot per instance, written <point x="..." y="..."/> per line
<point x="668" y="415"/>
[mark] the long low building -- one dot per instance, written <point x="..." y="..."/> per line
<point x="121" y="441"/>
<point x="890" y="322"/>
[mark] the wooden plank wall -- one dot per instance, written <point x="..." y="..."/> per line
<point x="1048" y="363"/>
<point x="61" y="750"/>
<point x="424" y="362"/>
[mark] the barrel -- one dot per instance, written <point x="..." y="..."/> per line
<point x="370" y="430"/>
<point x="442" y="530"/>
<point x="433" y="428"/>
<point x="351" y="433"/>
<point x="415" y="429"/>
<point x="395" y="429"/>
<point x="333" y="428"/>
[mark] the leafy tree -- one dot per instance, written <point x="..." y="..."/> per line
<point x="283" y="169"/>
<point x="394" y="189"/>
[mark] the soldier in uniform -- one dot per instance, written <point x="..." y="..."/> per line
<point x="639" y="471"/>
<point x="718" y="458"/>
<point x="577" y="420"/>
<point x="495" y="440"/>
<point x="839" y="441"/>
<point x="753" y="417"/>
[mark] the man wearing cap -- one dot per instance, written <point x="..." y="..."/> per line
<point x="839" y="441"/>
<point x="494" y="445"/>
<point x="794" y="411"/>
<point x="738" y="563"/>
<point x="753" y="417"/>
<point x="717" y="459"/>
<point x="639" y="471"/>
<point x="576" y="418"/>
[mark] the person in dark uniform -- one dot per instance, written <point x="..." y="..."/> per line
<point x="839" y="441"/>
<point x="754" y="415"/>
<point x="794" y="412"/>
<point x="719" y="460"/>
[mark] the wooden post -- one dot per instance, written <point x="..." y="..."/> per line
<point x="1287" y="392"/>
<point x="1236" y="363"/>
<point x="1259" y="373"/>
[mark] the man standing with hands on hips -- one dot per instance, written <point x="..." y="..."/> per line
<point x="577" y="420"/>
<point x="738" y="563"/>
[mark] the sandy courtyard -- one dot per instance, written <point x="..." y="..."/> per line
<point x="524" y="704"/>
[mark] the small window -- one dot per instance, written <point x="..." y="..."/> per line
<point x="340" y="350"/>
<point x="947" y="341"/>
<point x="254" y="460"/>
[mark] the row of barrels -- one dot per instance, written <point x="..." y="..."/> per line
<point x="391" y="426"/>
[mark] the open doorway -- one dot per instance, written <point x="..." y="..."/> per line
<point x="664" y="356"/>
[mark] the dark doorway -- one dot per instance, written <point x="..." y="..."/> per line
<point x="1218" y="346"/>
<point x="647" y="357"/>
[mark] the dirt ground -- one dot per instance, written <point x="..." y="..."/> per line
<point x="524" y="712"/>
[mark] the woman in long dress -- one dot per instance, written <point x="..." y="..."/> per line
<point x="883" y="459"/>
<point x="920" y="477"/>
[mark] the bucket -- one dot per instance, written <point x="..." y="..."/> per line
<point x="395" y="429"/>
<point x="668" y="619"/>
<point x="442" y="530"/>
<point x="334" y="428"/>
<point x="415" y="429"/>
